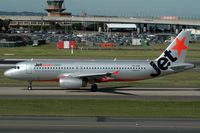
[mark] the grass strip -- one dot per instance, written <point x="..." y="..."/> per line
<point x="51" y="51"/>
<point x="125" y="108"/>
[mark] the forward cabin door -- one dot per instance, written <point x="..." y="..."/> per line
<point x="29" y="68"/>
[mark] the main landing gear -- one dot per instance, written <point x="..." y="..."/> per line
<point x="29" y="86"/>
<point x="94" y="88"/>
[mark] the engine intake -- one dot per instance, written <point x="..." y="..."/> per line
<point x="72" y="83"/>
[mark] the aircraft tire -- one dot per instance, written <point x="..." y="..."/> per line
<point x="29" y="88"/>
<point x="94" y="88"/>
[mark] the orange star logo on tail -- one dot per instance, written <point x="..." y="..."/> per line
<point x="180" y="46"/>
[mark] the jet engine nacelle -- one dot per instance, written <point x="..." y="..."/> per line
<point x="72" y="83"/>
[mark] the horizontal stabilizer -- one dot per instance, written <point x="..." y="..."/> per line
<point x="185" y="66"/>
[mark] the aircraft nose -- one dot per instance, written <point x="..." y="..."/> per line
<point x="8" y="73"/>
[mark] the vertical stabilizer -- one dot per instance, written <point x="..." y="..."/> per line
<point x="177" y="50"/>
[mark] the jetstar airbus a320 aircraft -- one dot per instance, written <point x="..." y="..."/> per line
<point x="74" y="74"/>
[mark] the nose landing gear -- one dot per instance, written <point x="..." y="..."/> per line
<point x="29" y="86"/>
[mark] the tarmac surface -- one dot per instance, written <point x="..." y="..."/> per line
<point x="30" y="124"/>
<point x="117" y="93"/>
<point x="96" y="125"/>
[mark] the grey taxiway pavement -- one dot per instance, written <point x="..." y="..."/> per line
<point x="103" y="93"/>
<point x="97" y="125"/>
<point x="29" y="124"/>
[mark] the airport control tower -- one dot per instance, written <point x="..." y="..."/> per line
<point x="55" y="8"/>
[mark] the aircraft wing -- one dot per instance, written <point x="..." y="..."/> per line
<point x="86" y="75"/>
<point x="90" y="75"/>
<point x="94" y="75"/>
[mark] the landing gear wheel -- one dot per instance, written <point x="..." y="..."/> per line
<point x="29" y="86"/>
<point x="94" y="88"/>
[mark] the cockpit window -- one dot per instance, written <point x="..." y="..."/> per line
<point x="16" y="67"/>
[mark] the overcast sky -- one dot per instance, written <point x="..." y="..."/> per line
<point x="112" y="7"/>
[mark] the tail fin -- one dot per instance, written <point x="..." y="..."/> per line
<point x="176" y="51"/>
